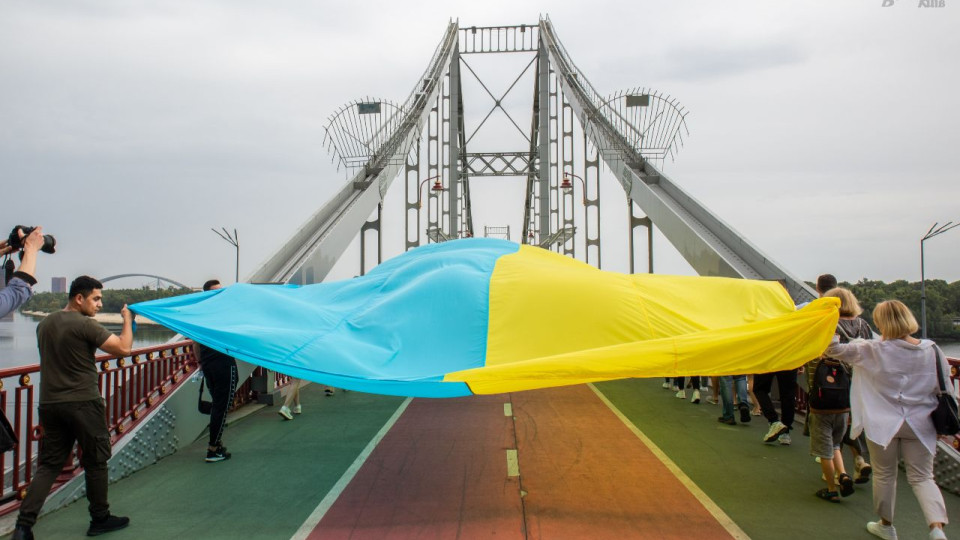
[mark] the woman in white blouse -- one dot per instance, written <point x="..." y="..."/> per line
<point x="894" y="390"/>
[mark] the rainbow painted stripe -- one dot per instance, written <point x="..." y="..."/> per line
<point x="483" y="316"/>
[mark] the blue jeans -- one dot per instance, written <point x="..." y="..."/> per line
<point x="726" y="397"/>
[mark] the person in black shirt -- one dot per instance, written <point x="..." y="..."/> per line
<point x="220" y="374"/>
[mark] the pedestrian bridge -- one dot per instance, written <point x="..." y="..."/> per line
<point x="620" y="459"/>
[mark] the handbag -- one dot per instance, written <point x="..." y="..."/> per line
<point x="8" y="437"/>
<point x="202" y="405"/>
<point x="944" y="417"/>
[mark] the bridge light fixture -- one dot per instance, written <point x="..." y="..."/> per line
<point x="568" y="185"/>
<point x="436" y="188"/>
<point x="934" y="231"/>
<point x="233" y="241"/>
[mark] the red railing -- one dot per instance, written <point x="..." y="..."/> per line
<point x="130" y="386"/>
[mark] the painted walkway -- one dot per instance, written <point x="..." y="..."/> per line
<point x="557" y="463"/>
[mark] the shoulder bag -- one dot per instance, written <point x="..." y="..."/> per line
<point x="945" y="415"/>
<point x="8" y="437"/>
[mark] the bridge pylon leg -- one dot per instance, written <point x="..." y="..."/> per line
<point x="372" y="225"/>
<point x="638" y="221"/>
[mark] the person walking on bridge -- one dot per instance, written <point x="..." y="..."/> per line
<point x="895" y="388"/>
<point x="858" y="445"/>
<point x="71" y="408"/>
<point x="220" y="374"/>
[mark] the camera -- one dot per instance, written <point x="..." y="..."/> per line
<point x="14" y="240"/>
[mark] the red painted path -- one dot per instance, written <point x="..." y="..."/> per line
<point x="442" y="472"/>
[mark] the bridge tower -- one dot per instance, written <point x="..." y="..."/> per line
<point x="574" y="135"/>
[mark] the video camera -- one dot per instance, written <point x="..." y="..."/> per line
<point x="14" y="240"/>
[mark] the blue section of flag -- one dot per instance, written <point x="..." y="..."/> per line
<point x="398" y="330"/>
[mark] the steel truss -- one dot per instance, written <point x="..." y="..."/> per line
<point x="499" y="163"/>
<point x="627" y="131"/>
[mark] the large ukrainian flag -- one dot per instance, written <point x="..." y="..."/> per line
<point x="484" y="316"/>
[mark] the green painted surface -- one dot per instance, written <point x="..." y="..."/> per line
<point x="279" y="472"/>
<point x="766" y="489"/>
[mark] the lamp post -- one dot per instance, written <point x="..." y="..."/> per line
<point x="233" y="241"/>
<point x="566" y="184"/>
<point x="437" y="187"/>
<point x="934" y="231"/>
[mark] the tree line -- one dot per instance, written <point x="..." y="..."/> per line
<point x="113" y="299"/>
<point x="943" y="301"/>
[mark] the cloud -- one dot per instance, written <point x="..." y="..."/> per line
<point x="139" y="125"/>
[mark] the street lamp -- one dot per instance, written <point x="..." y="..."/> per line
<point x="566" y="184"/>
<point x="436" y="188"/>
<point x="233" y="240"/>
<point x="934" y="230"/>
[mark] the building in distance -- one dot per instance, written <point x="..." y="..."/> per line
<point x="58" y="284"/>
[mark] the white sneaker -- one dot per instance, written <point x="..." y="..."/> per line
<point x="937" y="533"/>
<point x="785" y="439"/>
<point x="777" y="428"/>
<point x="888" y="532"/>
<point x="675" y="388"/>
<point x="681" y="394"/>
<point x="665" y="385"/>
<point x="696" y="397"/>
<point x="285" y="412"/>
<point x="297" y="409"/>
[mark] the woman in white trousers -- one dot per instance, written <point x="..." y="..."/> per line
<point x="894" y="390"/>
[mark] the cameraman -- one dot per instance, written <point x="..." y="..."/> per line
<point x="18" y="290"/>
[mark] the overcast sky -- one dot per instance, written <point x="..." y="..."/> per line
<point x="825" y="132"/>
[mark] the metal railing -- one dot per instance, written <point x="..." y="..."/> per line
<point x="131" y="386"/>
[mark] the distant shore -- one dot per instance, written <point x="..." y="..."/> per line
<point x="105" y="318"/>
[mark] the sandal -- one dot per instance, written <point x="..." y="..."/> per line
<point x="864" y="474"/>
<point x="828" y="495"/>
<point x="846" y="485"/>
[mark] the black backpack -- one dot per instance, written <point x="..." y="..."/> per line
<point x="831" y="380"/>
<point x="831" y="386"/>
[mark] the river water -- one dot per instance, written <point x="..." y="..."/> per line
<point x="18" y="339"/>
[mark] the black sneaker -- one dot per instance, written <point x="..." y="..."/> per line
<point x="744" y="413"/>
<point x="22" y="532"/>
<point x="108" y="524"/>
<point x="220" y="454"/>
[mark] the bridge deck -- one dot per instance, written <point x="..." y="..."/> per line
<point x="441" y="471"/>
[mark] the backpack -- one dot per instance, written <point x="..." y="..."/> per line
<point x="831" y="386"/>
<point x="830" y="389"/>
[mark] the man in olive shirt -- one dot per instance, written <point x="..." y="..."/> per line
<point x="71" y="409"/>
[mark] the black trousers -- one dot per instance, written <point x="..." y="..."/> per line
<point x="787" y="387"/>
<point x="694" y="381"/>
<point x="220" y="377"/>
<point x="85" y="423"/>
